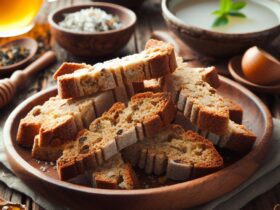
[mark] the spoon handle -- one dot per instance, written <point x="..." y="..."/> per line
<point x="8" y="86"/>
<point x="43" y="61"/>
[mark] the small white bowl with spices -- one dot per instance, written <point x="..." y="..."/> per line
<point x="92" y="30"/>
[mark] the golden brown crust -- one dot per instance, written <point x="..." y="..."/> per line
<point x="181" y="155"/>
<point x="67" y="88"/>
<point x="27" y="132"/>
<point x="151" y="123"/>
<point x="159" y="62"/>
<point x="235" y="111"/>
<point x="210" y="75"/>
<point x="214" y="122"/>
<point x="240" y="139"/>
<point x="127" y="173"/>
<point x="68" y="68"/>
<point x="65" y="131"/>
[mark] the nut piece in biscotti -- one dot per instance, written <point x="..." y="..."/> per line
<point x="61" y="118"/>
<point x="157" y="60"/>
<point x="197" y="99"/>
<point x="118" y="128"/>
<point x="235" y="111"/>
<point x="114" y="174"/>
<point x="178" y="154"/>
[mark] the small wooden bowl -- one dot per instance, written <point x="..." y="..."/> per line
<point x="213" y="43"/>
<point x="27" y="43"/>
<point x="178" y="196"/>
<point x="236" y="72"/>
<point x="93" y="44"/>
<point x="134" y="5"/>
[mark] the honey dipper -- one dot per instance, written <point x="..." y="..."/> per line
<point x="9" y="86"/>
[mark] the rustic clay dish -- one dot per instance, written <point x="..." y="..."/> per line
<point x="91" y="44"/>
<point x="177" y="196"/>
<point x="236" y="72"/>
<point x="27" y="43"/>
<point x="214" y="43"/>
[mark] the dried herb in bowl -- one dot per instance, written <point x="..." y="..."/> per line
<point x="12" y="55"/>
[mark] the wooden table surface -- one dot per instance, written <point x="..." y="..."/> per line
<point x="149" y="20"/>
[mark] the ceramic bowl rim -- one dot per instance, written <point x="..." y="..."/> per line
<point x="124" y="10"/>
<point x="171" y="17"/>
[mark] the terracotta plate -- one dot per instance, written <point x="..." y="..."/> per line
<point x="177" y="196"/>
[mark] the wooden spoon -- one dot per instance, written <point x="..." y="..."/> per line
<point x="27" y="43"/>
<point x="8" y="86"/>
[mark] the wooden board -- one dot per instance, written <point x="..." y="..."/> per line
<point x="182" y="195"/>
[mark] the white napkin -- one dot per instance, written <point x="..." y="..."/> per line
<point x="264" y="179"/>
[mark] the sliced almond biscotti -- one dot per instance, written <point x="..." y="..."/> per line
<point x="61" y="118"/>
<point x="101" y="103"/>
<point x="235" y="111"/>
<point x="114" y="174"/>
<point x="157" y="60"/>
<point x="197" y="99"/>
<point x="181" y="155"/>
<point x="237" y="138"/>
<point x="119" y="127"/>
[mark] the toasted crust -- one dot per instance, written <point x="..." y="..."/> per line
<point x="181" y="155"/>
<point x="109" y="140"/>
<point x="235" y="111"/>
<point x="65" y="130"/>
<point x="27" y="132"/>
<point x="48" y="153"/>
<point x="68" y="68"/>
<point x="114" y="174"/>
<point x="192" y="94"/>
<point x="156" y="61"/>
<point x="238" y="139"/>
<point x="70" y="85"/>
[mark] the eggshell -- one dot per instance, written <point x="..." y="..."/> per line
<point x="260" y="67"/>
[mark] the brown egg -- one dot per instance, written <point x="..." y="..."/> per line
<point x="260" y="67"/>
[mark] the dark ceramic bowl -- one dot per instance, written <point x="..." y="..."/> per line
<point x="131" y="4"/>
<point x="93" y="44"/>
<point x="213" y="43"/>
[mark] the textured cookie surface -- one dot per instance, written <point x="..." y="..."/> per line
<point x="181" y="155"/>
<point x="119" y="127"/>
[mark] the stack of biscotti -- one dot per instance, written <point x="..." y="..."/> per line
<point x="58" y="120"/>
<point x="114" y="174"/>
<point x="181" y="155"/>
<point x="157" y="60"/>
<point x="118" y="128"/>
<point x="200" y="103"/>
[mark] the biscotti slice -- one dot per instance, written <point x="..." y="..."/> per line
<point x="181" y="155"/>
<point x="237" y="138"/>
<point x="119" y="127"/>
<point x="157" y="60"/>
<point x="114" y="174"/>
<point x="61" y="118"/>
<point x="197" y="99"/>
<point x="235" y="111"/>
<point x="47" y="153"/>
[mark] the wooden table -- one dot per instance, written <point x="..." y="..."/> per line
<point x="149" y="20"/>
